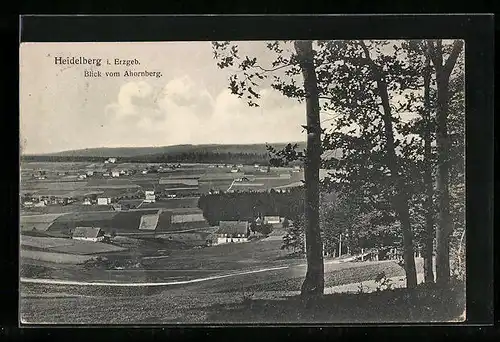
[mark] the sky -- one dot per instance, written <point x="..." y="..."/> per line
<point x="60" y="109"/>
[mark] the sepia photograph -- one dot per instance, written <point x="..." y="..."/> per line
<point x="242" y="182"/>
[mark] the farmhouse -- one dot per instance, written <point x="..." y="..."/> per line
<point x="115" y="174"/>
<point x="40" y="204"/>
<point x="232" y="232"/>
<point x="272" y="219"/>
<point x="93" y="234"/>
<point x="103" y="200"/>
<point x="149" y="196"/>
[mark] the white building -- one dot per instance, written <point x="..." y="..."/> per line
<point x="112" y="160"/>
<point x="93" y="234"/>
<point x="232" y="232"/>
<point x="115" y="174"/>
<point x="234" y="170"/>
<point x="90" y="173"/>
<point x="87" y="202"/>
<point x="150" y="196"/>
<point x="82" y="176"/>
<point x="272" y="219"/>
<point x="28" y="203"/>
<point x="103" y="201"/>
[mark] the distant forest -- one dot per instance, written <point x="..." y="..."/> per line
<point x="246" y="206"/>
<point x="184" y="157"/>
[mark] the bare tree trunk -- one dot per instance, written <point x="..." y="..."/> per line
<point x="445" y="223"/>
<point x="400" y="200"/>
<point x="429" y="190"/>
<point x="314" y="280"/>
<point x="445" y="226"/>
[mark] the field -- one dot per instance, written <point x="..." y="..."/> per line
<point x="57" y="258"/>
<point x="68" y="246"/>
<point x="188" y="180"/>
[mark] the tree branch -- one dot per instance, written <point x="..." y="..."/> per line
<point x="274" y="69"/>
<point x="455" y="52"/>
<point x="369" y="59"/>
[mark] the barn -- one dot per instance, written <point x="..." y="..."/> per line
<point x="232" y="232"/>
<point x="93" y="234"/>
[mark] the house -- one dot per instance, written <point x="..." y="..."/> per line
<point x="149" y="196"/>
<point x="82" y="176"/>
<point x="272" y="219"/>
<point x="239" y="165"/>
<point x="117" y="207"/>
<point x="234" y="170"/>
<point x="115" y="174"/>
<point x="106" y="174"/>
<point x="232" y="232"/>
<point x="90" y="173"/>
<point x="87" y="201"/>
<point x="256" y="166"/>
<point x="103" y="200"/>
<point x="112" y="160"/>
<point x="40" y="204"/>
<point x="93" y="234"/>
<point x="144" y="172"/>
<point x="28" y="204"/>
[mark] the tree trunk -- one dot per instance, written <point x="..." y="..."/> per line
<point x="445" y="226"/>
<point x="400" y="200"/>
<point x="428" y="182"/>
<point x="314" y="280"/>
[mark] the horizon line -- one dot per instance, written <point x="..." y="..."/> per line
<point x="158" y="146"/>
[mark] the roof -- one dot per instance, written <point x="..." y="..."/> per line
<point x="86" y="232"/>
<point x="232" y="227"/>
<point x="271" y="217"/>
<point x="149" y="222"/>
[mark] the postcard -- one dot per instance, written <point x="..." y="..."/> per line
<point x="242" y="182"/>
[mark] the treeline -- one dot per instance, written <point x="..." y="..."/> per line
<point x="247" y="206"/>
<point x="183" y="157"/>
<point x="202" y="157"/>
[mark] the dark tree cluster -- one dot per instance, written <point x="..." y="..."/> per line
<point x="247" y="206"/>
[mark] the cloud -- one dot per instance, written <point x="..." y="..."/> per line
<point x="184" y="112"/>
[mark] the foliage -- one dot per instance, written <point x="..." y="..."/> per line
<point x="294" y="238"/>
<point x="246" y="206"/>
<point x="382" y="144"/>
<point x="383" y="283"/>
